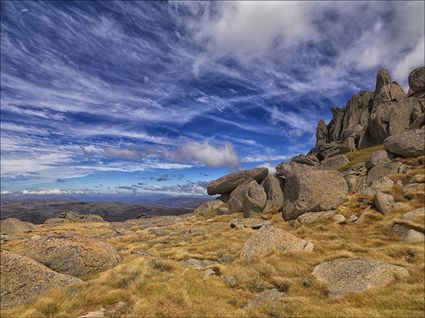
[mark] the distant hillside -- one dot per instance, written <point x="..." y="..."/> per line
<point x="37" y="211"/>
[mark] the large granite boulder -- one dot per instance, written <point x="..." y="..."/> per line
<point x="274" y="193"/>
<point x="378" y="172"/>
<point x="230" y="182"/>
<point x="12" y="226"/>
<point x="72" y="255"/>
<point x="211" y="208"/>
<point x="310" y="160"/>
<point x="377" y="158"/>
<point x="268" y="239"/>
<point x="335" y="162"/>
<point x="23" y="279"/>
<point x="311" y="190"/>
<point x="409" y="143"/>
<point x="344" y="275"/>
<point x="248" y="197"/>
<point x="417" y="80"/>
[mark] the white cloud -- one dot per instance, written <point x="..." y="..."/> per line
<point x="272" y="168"/>
<point x="121" y="153"/>
<point x="205" y="153"/>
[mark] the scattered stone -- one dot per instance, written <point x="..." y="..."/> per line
<point x="269" y="238"/>
<point x="313" y="217"/>
<point x="274" y="194"/>
<point x="12" y="226"/>
<point x="265" y="296"/>
<point x="339" y="219"/>
<point x="76" y="256"/>
<point x="310" y="190"/>
<point x="230" y="182"/>
<point x="335" y="162"/>
<point x="415" y="214"/>
<point x="344" y="275"/>
<point x="377" y="158"/>
<point x="196" y="263"/>
<point x="417" y="178"/>
<point x="409" y="143"/>
<point x="383" y="202"/>
<point x="378" y="172"/>
<point x="247" y="223"/>
<point x="408" y="232"/>
<point x="353" y="218"/>
<point x="414" y="191"/>
<point x="99" y="313"/>
<point x="382" y="184"/>
<point x="210" y="208"/>
<point x="23" y="279"/>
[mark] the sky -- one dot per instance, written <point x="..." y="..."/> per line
<point x="133" y="97"/>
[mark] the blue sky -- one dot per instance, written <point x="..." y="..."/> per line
<point x="135" y="97"/>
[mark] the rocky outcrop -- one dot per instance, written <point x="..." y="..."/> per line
<point x="268" y="239"/>
<point x="73" y="255"/>
<point x="211" y="208"/>
<point x="370" y="117"/>
<point x="12" y="226"/>
<point x="230" y="182"/>
<point x="309" y="160"/>
<point x="23" y="279"/>
<point x="335" y="162"/>
<point x="344" y="275"/>
<point x="407" y="144"/>
<point x="73" y="217"/>
<point x="377" y="158"/>
<point x="274" y="193"/>
<point x="310" y="190"/>
<point x="248" y="197"/>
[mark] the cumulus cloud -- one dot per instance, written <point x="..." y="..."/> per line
<point x="206" y="153"/>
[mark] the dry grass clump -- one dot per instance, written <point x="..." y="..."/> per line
<point x="155" y="283"/>
<point x="359" y="156"/>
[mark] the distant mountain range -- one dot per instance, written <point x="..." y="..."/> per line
<point x="39" y="210"/>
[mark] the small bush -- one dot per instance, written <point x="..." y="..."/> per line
<point x="256" y="285"/>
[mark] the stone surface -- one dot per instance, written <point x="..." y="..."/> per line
<point x="335" y="162"/>
<point x="248" y="197"/>
<point x="73" y="255"/>
<point x="417" y="178"/>
<point x="248" y="223"/>
<point x="268" y="239"/>
<point x="407" y="144"/>
<point x="313" y="217"/>
<point x="414" y="191"/>
<point x="268" y="295"/>
<point x="310" y="160"/>
<point x="228" y="183"/>
<point x="383" y="202"/>
<point x="196" y="263"/>
<point x="378" y="172"/>
<point x="23" y="279"/>
<point x="417" y="80"/>
<point x="344" y="275"/>
<point x="417" y="214"/>
<point x="274" y="194"/>
<point x="408" y="232"/>
<point x="210" y="208"/>
<point x="377" y="158"/>
<point x="12" y="226"/>
<point x="311" y="190"/>
<point x="339" y="219"/>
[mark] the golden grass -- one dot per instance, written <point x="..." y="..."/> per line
<point x="359" y="156"/>
<point x="159" y="286"/>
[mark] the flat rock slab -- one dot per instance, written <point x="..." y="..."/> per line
<point x="313" y="217"/>
<point x="23" y="279"/>
<point x="269" y="238"/>
<point x="248" y="223"/>
<point x="344" y="275"/>
<point x="265" y="296"/>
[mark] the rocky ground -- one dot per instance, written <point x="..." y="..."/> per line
<point x="329" y="234"/>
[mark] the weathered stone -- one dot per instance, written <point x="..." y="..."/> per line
<point x="407" y="144"/>
<point x="417" y="214"/>
<point x="414" y="191"/>
<point x="383" y="202"/>
<point x="73" y="255"/>
<point x="23" y="279"/>
<point x="408" y="232"/>
<point x="73" y="217"/>
<point x="268" y="239"/>
<point x="196" y="263"/>
<point x="417" y="80"/>
<point x="248" y="223"/>
<point x="269" y="295"/>
<point x="339" y="219"/>
<point x="321" y="133"/>
<point x="377" y="158"/>
<point x="210" y="208"/>
<point x="382" y="78"/>
<point x="310" y="160"/>
<point x="231" y="181"/>
<point x="248" y="197"/>
<point x="335" y="162"/>
<point x="378" y="172"/>
<point x="417" y="178"/>
<point x="12" y="226"/>
<point x="344" y="275"/>
<point x="311" y="190"/>
<point x="313" y="217"/>
<point x="274" y="194"/>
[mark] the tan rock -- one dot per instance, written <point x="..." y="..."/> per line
<point x="230" y="182"/>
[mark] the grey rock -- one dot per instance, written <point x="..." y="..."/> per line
<point x="414" y="191"/>
<point x="72" y="255"/>
<point x="417" y="214"/>
<point x="383" y="202"/>
<point x="335" y="162"/>
<point x="23" y="279"/>
<point x="268" y="239"/>
<point x="382" y="78"/>
<point x="269" y="295"/>
<point x="407" y="144"/>
<point x="344" y="275"/>
<point x="312" y="190"/>
<point x="274" y="194"/>
<point x="378" y="172"/>
<point x="196" y="263"/>
<point x="417" y="80"/>
<point x="377" y="158"/>
<point x="310" y="160"/>
<point x="408" y="233"/>
<point x="230" y="182"/>
<point x="321" y="133"/>
<point x="12" y="226"/>
<point x="339" y="219"/>
<point x="210" y="208"/>
<point x="248" y="197"/>
<point x="313" y="217"/>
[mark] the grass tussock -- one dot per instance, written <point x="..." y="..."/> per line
<point x="359" y="156"/>
<point x="158" y="285"/>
